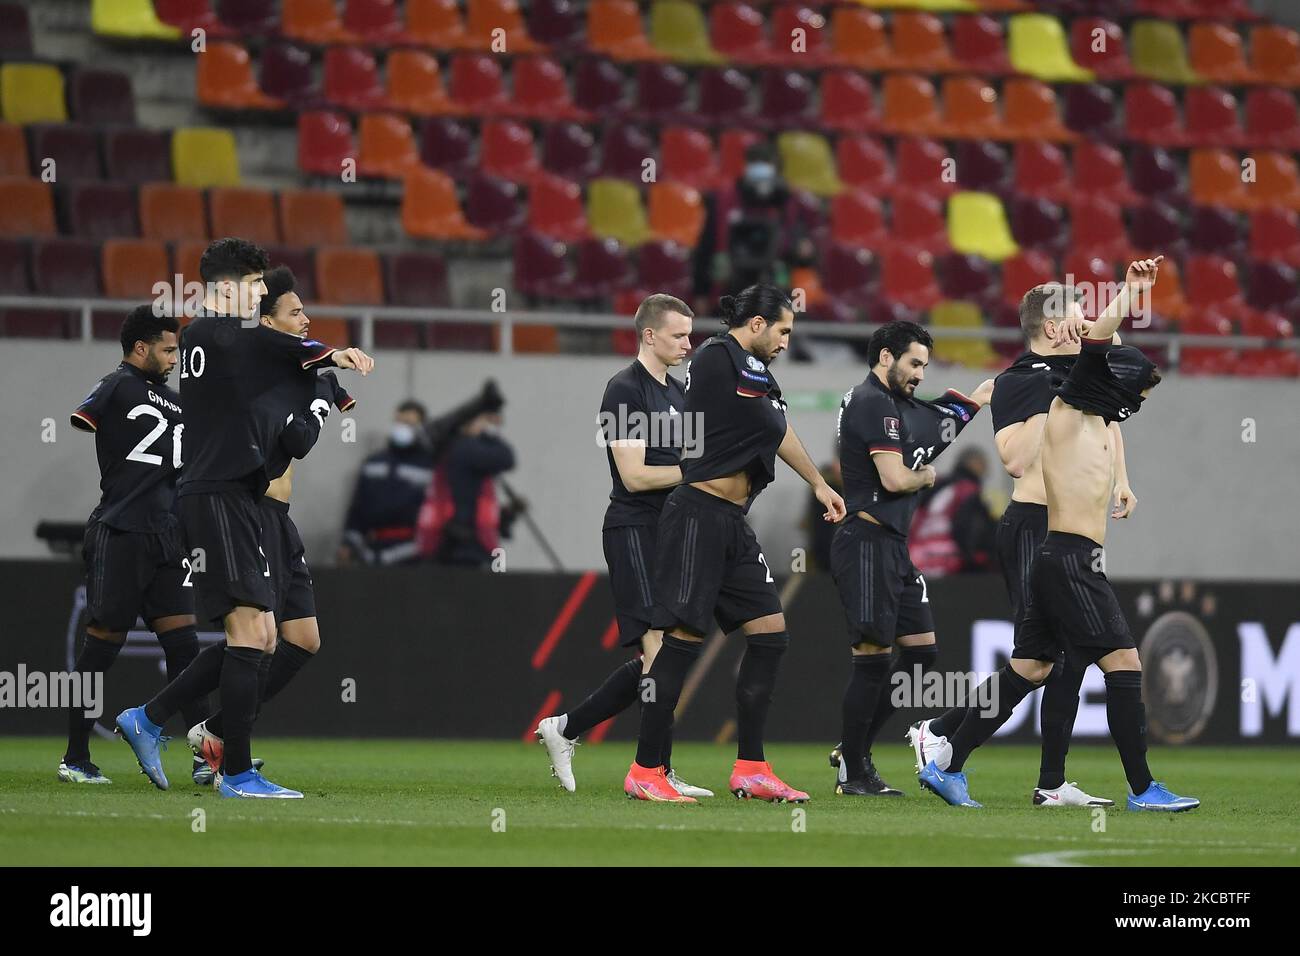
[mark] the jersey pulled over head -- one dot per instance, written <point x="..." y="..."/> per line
<point x="1108" y="380"/>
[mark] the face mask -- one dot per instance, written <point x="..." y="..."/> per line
<point x="402" y="434"/>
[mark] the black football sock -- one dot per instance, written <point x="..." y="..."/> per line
<point x="286" y="662"/>
<point x="1127" y="718"/>
<point x="659" y="691"/>
<point x="96" y="657"/>
<point x="915" y="662"/>
<point x="666" y="753"/>
<point x="201" y="678"/>
<point x="860" y="694"/>
<point x="1004" y="690"/>
<point x="263" y="681"/>
<point x="180" y="647"/>
<point x="946" y="724"/>
<point x="1059" y="708"/>
<point x="754" y="686"/>
<point x="616" y="694"/>
<point x="239" y="704"/>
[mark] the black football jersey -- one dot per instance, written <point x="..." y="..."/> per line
<point x="635" y="406"/>
<point x="138" y="440"/>
<point x="302" y="428"/>
<point x="874" y="419"/>
<point x="732" y="394"/>
<point x="228" y="376"/>
<point x="1024" y="388"/>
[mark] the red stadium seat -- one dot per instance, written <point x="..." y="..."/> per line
<point x="555" y="209"/>
<point x="923" y="166"/>
<point x="979" y="45"/>
<point x="1271" y="119"/>
<point x="858" y="221"/>
<point x="850" y="275"/>
<point x="13" y="151"/>
<point x="191" y="15"/>
<point x="325" y="143"/>
<point x="864" y="163"/>
<point x="16" y="30"/>
<point x="737" y="31"/>
<point x="1023" y="271"/>
<point x="1097" y="229"/>
<point x="907" y="278"/>
<point x="799" y="37"/>
<point x="507" y="151"/>
<point x="171" y="213"/>
<point x="848" y="101"/>
<point x="1211" y="117"/>
<point x="570" y="152"/>
<point x="918" y="221"/>
<point x="688" y="157"/>
<point x="732" y="146"/>
<point x="1211" y="283"/>
<point x="541" y="90"/>
<point x="1041" y="171"/>
<point x="1151" y="115"/>
<point x="375" y="22"/>
<point x="313" y="217"/>
<point x="249" y="213"/>
<point x="1099" y="171"/>
<point x="1275" y="234"/>
<point x="431" y="208"/>
<point x="967" y="278"/>
<point x="477" y="85"/>
<point x="352" y="80"/>
<point x="1267" y="325"/>
<point x="1103" y="52"/>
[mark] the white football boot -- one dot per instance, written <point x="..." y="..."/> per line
<point x="686" y="789"/>
<point x="928" y="746"/>
<point x="1068" y="795"/>
<point x="560" y="749"/>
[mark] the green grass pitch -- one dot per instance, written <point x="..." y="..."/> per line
<point x="377" y="802"/>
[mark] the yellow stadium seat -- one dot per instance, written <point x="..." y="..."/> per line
<point x="678" y="30"/>
<point x="977" y="225"/>
<point x="615" y="211"/>
<point x="205" y="157"/>
<point x="131" y="19"/>
<point x="807" y="163"/>
<point x="32" y="93"/>
<point x="934" y="6"/>
<point x="1039" y="47"/>
<point x="1157" y="51"/>
<point x="962" y="351"/>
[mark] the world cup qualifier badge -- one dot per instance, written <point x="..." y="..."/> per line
<point x="891" y="428"/>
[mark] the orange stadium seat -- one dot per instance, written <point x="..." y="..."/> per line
<point x="310" y="217"/>
<point x="1167" y="297"/>
<point x="486" y="17"/>
<point x="249" y="213"/>
<point x="1277" y="182"/>
<point x="911" y="106"/>
<point x="26" y="208"/>
<point x="970" y="108"/>
<point x="1215" y="179"/>
<point x="615" y="28"/>
<point x="1216" y="53"/>
<point x="388" y="148"/>
<point x="13" y="150"/>
<point x="1275" y="54"/>
<point x="920" y="43"/>
<point x="436" y="24"/>
<point x="1029" y="111"/>
<point x="185" y="260"/>
<point x="415" y="84"/>
<point x="431" y="209"/>
<point x="676" y="213"/>
<point x="170" y="213"/>
<point x="313" y="21"/>
<point x="859" y="39"/>
<point x="347" y="276"/>
<point x="133" y="266"/>
<point x="224" y="78"/>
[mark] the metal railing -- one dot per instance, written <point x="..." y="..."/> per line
<point x="367" y="316"/>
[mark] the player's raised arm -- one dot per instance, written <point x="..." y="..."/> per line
<point x="792" y="452"/>
<point x="1141" y="274"/>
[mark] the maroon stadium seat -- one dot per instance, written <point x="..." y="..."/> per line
<point x="495" y="205"/>
<point x="787" y="99"/>
<point x="249" y="17"/>
<point x="137" y="155"/>
<point x="982" y="166"/>
<point x="665" y="267"/>
<point x="66" y="267"/>
<point x="416" y="279"/>
<point x="1216" y="231"/>
<point x="541" y="267"/>
<point x="1154" y="173"/>
<point x="662" y="93"/>
<point x="570" y="152"/>
<point x="967" y="278"/>
<point x="1038" y="224"/>
<point x="1272" y="288"/>
<point x="1090" y="111"/>
<point x="849" y="275"/>
<point x="15" y="277"/>
<point x="287" y="74"/>
<point x="602" y="268"/>
<point x="99" y="97"/>
<point x="599" y="87"/>
<point x="1157" y="226"/>
<point x="448" y="144"/>
<point x="73" y="148"/>
<point x="625" y="149"/>
<point x="725" y="97"/>
<point x="15" y="30"/>
<point x="101" y="211"/>
<point x="302" y="263"/>
<point x="556" y="23"/>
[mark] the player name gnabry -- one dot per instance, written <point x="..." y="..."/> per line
<point x="58" y="689"/>
<point x="159" y="400"/>
<point x="77" y="909"/>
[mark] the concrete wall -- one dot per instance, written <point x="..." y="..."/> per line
<point x="1210" y="504"/>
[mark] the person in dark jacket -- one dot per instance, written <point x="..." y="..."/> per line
<point x="953" y="531"/>
<point x="381" y="521"/>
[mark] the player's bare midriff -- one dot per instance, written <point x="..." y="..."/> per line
<point x="734" y="488"/>
<point x="1078" y="471"/>
<point x="1029" y="487"/>
<point x="282" y="487"/>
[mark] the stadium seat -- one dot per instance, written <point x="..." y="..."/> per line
<point x="99" y="97"/>
<point x="1023" y="271"/>
<point x="570" y="152"/>
<point x="431" y="209"/>
<point x="67" y="152"/>
<point x="414" y="84"/>
<point x="910" y="105"/>
<point x="1151" y="115"/>
<point x="983" y="166"/>
<point x="1155" y="225"/>
<point x="923" y="166"/>
<point x="737" y="31"/>
<point x="1267" y="325"/>
<point x="387" y="146"/>
<point x="288" y="74"/>
<point x="688" y="157"/>
<point x="249" y="17"/>
<point x="1275" y="54"/>
<point x="1099" y="171"/>
<point x="666" y="267"/>
<point x="302" y="263"/>
<point x="1090" y="111"/>
<point x="1039" y="48"/>
<point x="977" y="225"/>
<point x="494" y="205"/>
<point x="13" y="151"/>
<point x="1103" y="53"/>
<point x="132" y="267"/>
<point x="1215" y="179"/>
<point x="1211" y="283"/>
<point x="448" y="144"/>
<point x="678" y="30"/>
<point x="1271" y="119"/>
<point x="172" y="213"/>
<point x="798" y="37"/>
<point x="67" y="268"/>
<point x="974" y="353"/>
<point x="477" y="85"/>
<point x="352" y="80"/>
<point x="1154" y="173"/>
<point x="555" y="209"/>
<point x="32" y="93"/>
<point x="375" y="22"/>
<point x="205" y="157"/>
<point x="979" y="45"/>
<point x="15" y="31"/>
<point x="919" y="43"/>
<point x="1275" y="234"/>
<point x="1029" y="111"/>
<point x="614" y="28"/>
<point x="732" y="146"/>
<point x="676" y="213"/>
<point x="601" y="268"/>
<point x="599" y="87"/>
<point x="1083" y="268"/>
<point x="967" y="278"/>
<point x="313" y="21"/>
<point x="859" y="40"/>
<point x="847" y="101"/>
<point x="864" y="163"/>
<point x="541" y="90"/>
<point x="849" y="275"/>
<point x="325" y="143"/>
<point x="129" y="20"/>
<point x="786" y="99"/>
<point x="416" y="280"/>
<point x="249" y="213"/>
<point x="541" y="267"/>
<point x="615" y="211"/>
<point x="1215" y="52"/>
<point x="1167" y="298"/>
<point x="311" y="217"/>
<point x="436" y="24"/>
<point x="185" y="260"/>
<point x="807" y="163"/>
<point x="507" y="151"/>
<point x="1159" y="53"/>
<point x="224" y="79"/>
<point x="1210" y="117"/>
<point x="1037" y="223"/>
<point x="917" y="221"/>
<point x="907" y="278"/>
<point x="970" y="108"/>
<point x="724" y="98"/>
<point x="1097" y="229"/>
<point x="137" y="155"/>
<point x="626" y="148"/>
<point x="556" y="23"/>
<point x="346" y="276"/>
<point x="101" y="210"/>
<point x="498" y="26"/>
<point x="662" y="93"/>
<point x="1272" y="288"/>
<point x="1277" y="181"/>
<point x="858" y="220"/>
<point x="15" y="277"/>
<point x="1040" y="171"/>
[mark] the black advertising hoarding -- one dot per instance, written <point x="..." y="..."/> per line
<point x="438" y="652"/>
